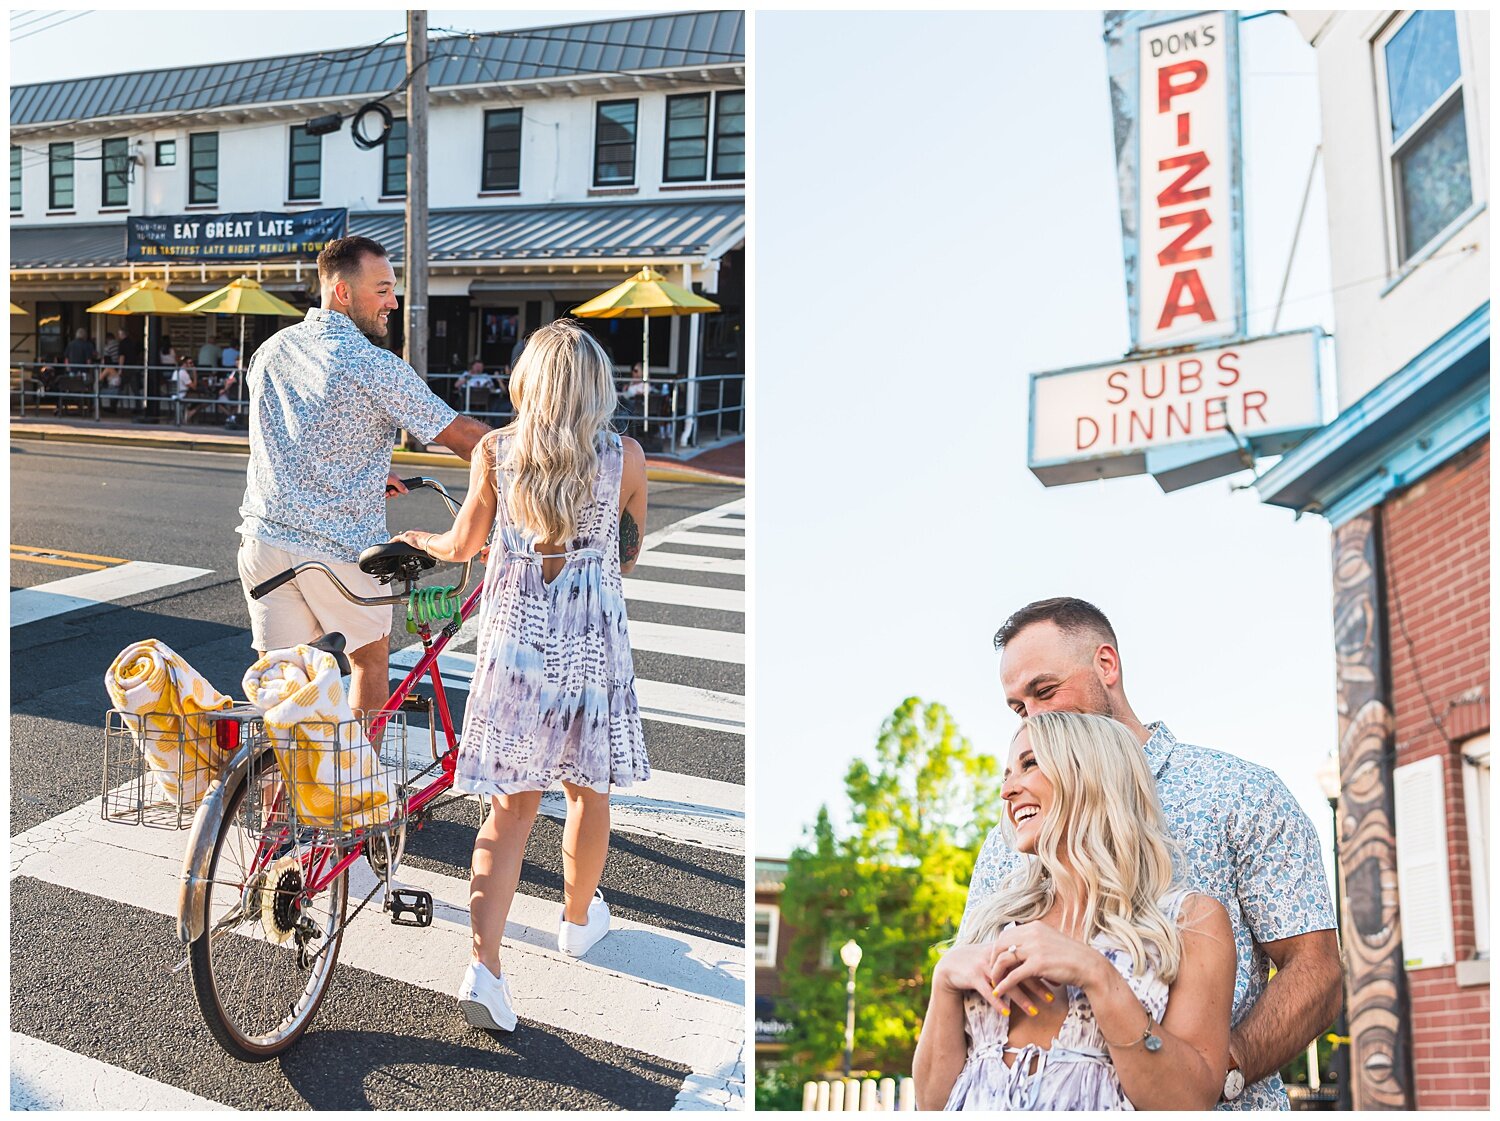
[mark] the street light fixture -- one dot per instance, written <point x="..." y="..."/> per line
<point x="850" y="954"/>
<point x="1329" y="781"/>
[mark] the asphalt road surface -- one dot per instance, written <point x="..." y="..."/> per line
<point x="112" y="545"/>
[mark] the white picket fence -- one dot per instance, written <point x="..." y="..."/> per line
<point x="851" y="1095"/>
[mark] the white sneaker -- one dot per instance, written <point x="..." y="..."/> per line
<point x="484" y="999"/>
<point x="575" y="940"/>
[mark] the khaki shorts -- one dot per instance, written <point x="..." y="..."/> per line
<point x="302" y="609"/>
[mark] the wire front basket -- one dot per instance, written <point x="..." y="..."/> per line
<point x="329" y="782"/>
<point x="159" y="766"/>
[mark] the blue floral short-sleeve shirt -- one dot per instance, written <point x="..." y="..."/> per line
<point x="326" y="405"/>
<point x="1248" y="843"/>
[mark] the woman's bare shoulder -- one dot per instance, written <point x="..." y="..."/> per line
<point x="635" y="456"/>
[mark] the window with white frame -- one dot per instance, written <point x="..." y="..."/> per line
<point x="15" y="179"/>
<point x="1425" y="127"/>
<point x="60" y="176"/>
<point x="767" y="930"/>
<point x="1476" y="756"/>
<point x="692" y="118"/>
<point x="114" y="180"/>
<point x="614" y="143"/>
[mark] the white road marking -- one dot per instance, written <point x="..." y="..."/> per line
<point x="684" y="595"/>
<point x="677" y="996"/>
<point x="692" y="562"/>
<point x="703" y="517"/>
<point x="712" y="540"/>
<point x="45" y="1076"/>
<point x="680" y="808"/>
<point x="108" y="585"/>
<point x="666" y="701"/>
<point x="688" y="642"/>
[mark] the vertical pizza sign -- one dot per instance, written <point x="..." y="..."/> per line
<point x="1191" y="262"/>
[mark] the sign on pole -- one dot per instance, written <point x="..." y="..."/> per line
<point x="257" y="235"/>
<point x="1110" y="419"/>
<point x="1175" y="88"/>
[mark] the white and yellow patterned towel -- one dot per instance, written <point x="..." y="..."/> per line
<point x="151" y="680"/>
<point x="336" y="776"/>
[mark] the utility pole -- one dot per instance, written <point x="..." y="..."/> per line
<point x="415" y="308"/>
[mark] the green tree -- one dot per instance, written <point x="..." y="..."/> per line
<point x="896" y="884"/>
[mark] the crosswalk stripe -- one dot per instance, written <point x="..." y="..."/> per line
<point x="45" y="1076"/>
<point x="684" y="595"/>
<point x="658" y="700"/>
<point x="42" y="601"/>
<point x="676" y="996"/>
<point x="692" y="562"/>
<point x="711" y="540"/>
<point x="736" y="524"/>
<point x="688" y="642"/>
<point x="680" y="808"/>
<point x="703" y="517"/>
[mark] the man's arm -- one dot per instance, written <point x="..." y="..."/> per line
<point x="1299" y="1002"/>
<point x="462" y="436"/>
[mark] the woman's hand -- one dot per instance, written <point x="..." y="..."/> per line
<point x="1035" y="954"/>
<point x="416" y="538"/>
<point x="966" y="969"/>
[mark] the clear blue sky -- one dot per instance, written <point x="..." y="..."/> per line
<point x="111" y="42"/>
<point x="935" y="217"/>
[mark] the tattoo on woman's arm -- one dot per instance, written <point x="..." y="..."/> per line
<point x="630" y="538"/>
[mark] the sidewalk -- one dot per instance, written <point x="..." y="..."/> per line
<point x="722" y="463"/>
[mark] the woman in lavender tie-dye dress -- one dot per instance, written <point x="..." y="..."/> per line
<point x="1092" y="979"/>
<point x="553" y="695"/>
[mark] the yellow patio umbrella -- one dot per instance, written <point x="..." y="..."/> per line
<point x="645" y="296"/>
<point x="17" y="310"/>
<point x="243" y="296"/>
<point x="145" y="297"/>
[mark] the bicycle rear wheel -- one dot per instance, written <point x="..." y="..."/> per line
<point x="268" y="949"/>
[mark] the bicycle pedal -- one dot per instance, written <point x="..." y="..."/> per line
<point x="408" y="901"/>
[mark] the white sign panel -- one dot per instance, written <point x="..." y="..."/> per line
<point x="1190" y="286"/>
<point x="1137" y="404"/>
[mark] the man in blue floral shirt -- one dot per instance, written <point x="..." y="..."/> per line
<point x="326" y="406"/>
<point x="1246" y="841"/>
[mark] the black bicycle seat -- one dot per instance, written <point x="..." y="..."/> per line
<point x="333" y="643"/>
<point x="394" y="559"/>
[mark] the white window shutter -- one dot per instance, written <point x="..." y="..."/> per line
<point x="1422" y="864"/>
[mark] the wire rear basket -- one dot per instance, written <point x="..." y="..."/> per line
<point x="158" y="766"/>
<point x="329" y="782"/>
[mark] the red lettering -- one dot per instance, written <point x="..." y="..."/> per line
<point x="1195" y="72"/>
<point x="1258" y="407"/>
<point x="1124" y="393"/>
<point x="1185" y="420"/>
<point x="1146" y="425"/>
<point x="1196" y="164"/>
<point x="1078" y="435"/>
<point x="1189" y="368"/>
<point x="1184" y="130"/>
<point x="1176" y="252"/>
<point x="1145" y="389"/>
<point x="1223" y="364"/>
<point x="1209" y="413"/>
<point x="1174" y="307"/>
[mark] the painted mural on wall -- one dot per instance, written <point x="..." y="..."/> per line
<point x="1378" y="1009"/>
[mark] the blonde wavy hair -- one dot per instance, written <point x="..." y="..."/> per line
<point x="1103" y="847"/>
<point x="564" y="395"/>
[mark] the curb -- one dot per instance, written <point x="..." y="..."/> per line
<point x="657" y="471"/>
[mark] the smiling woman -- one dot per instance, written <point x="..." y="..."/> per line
<point x="1122" y="974"/>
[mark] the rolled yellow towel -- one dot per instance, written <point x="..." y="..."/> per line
<point x="152" y="681"/>
<point x="336" y="775"/>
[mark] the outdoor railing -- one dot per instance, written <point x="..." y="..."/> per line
<point x="662" y="418"/>
<point x="852" y="1095"/>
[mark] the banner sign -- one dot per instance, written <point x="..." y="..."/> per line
<point x="1106" y="420"/>
<point x="258" y="235"/>
<point x="1175" y="88"/>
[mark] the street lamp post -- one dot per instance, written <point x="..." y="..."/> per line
<point x="1328" y="779"/>
<point x="850" y="954"/>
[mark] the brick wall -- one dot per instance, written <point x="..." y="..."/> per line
<point x="1437" y="601"/>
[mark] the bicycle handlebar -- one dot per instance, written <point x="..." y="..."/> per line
<point x="267" y="586"/>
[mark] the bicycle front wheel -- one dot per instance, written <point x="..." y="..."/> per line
<point x="262" y="965"/>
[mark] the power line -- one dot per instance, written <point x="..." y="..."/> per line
<point x="52" y="26"/>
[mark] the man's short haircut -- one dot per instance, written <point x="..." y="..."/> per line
<point x="341" y="257"/>
<point x="1071" y="616"/>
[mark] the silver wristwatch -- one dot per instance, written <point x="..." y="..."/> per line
<point x="1234" y="1084"/>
